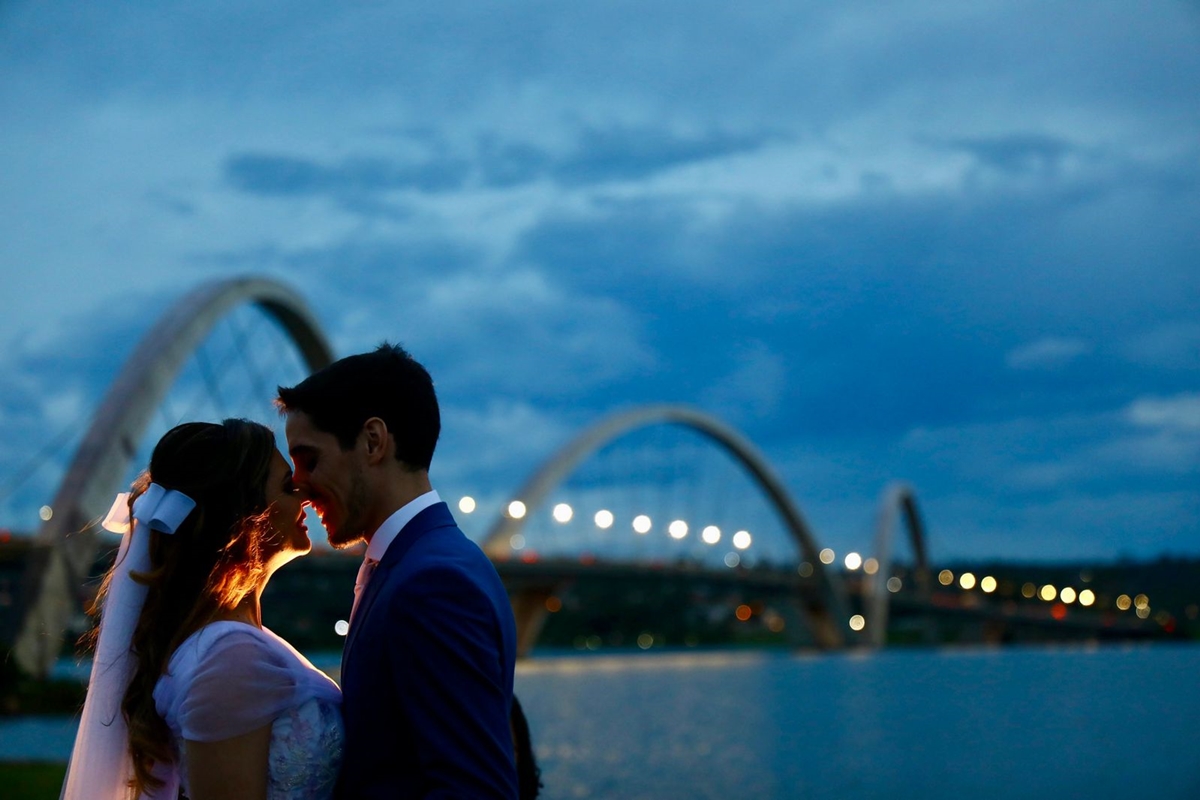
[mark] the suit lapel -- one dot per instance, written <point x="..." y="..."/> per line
<point x="436" y="516"/>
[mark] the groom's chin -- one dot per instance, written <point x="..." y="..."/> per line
<point x="340" y="542"/>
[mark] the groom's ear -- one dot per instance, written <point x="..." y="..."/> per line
<point x="377" y="440"/>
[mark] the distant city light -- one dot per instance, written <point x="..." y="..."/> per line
<point x="1087" y="597"/>
<point x="563" y="512"/>
<point x="516" y="509"/>
<point x="677" y="529"/>
<point x="1141" y="601"/>
<point x="945" y="577"/>
<point x="466" y="504"/>
<point x="641" y="524"/>
<point x="604" y="519"/>
<point x="1029" y="591"/>
<point x="711" y="534"/>
<point x="341" y="627"/>
<point x="553" y="604"/>
<point x="742" y="540"/>
<point x="871" y="566"/>
<point x="827" y="556"/>
<point x="894" y="584"/>
<point x="516" y="541"/>
<point x="988" y="584"/>
<point x="645" y="641"/>
<point x="967" y="580"/>
<point x="45" y="512"/>
<point x="1124" y="602"/>
<point x="853" y="561"/>
<point x="743" y="612"/>
<point x="732" y="560"/>
<point x="1143" y="612"/>
<point x="1048" y="593"/>
<point x="857" y="622"/>
<point x="1067" y="595"/>
<point x="805" y="569"/>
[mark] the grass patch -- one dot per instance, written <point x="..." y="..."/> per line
<point x="32" y="780"/>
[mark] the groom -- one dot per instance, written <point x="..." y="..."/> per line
<point x="427" y="671"/>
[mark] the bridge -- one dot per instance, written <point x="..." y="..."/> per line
<point x="614" y="503"/>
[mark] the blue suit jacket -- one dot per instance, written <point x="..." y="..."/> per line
<point x="427" y="672"/>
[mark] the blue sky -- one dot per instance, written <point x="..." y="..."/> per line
<point x="950" y="243"/>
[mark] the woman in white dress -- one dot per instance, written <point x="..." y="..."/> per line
<point x="189" y="693"/>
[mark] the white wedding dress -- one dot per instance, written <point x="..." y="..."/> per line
<point x="230" y="678"/>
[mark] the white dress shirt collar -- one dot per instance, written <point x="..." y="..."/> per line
<point x="391" y="527"/>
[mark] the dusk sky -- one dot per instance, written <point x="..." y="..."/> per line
<point x="952" y="243"/>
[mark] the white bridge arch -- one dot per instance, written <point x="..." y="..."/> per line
<point x="65" y="545"/>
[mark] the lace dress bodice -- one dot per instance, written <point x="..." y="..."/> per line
<point x="230" y="678"/>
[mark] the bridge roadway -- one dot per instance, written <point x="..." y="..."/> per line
<point x="532" y="582"/>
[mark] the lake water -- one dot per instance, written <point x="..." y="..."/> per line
<point x="1104" y="722"/>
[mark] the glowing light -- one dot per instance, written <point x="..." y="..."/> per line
<point x="1124" y="603"/>
<point x="858" y="622"/>
<point x="775" y="623"/>
<point x="827" y="556"/>
<point x="871" y="566"/>
<point x="341" y="627"/>
<point x="966" y="580"/>
<point x="466" y="504"/>
<point x="641" y="524"/>
<point x="988" y="584"/>
<point x="1067" y="595"/>
<point x="853" y="561"/>
<point x="742" y="540"/>
<point x="1143" y="612"/>
<point x="1141" y="601"/>
<point x="1087" y="597"/>
<point x="678" y="529"/>
<point x="45" y="512"/>
<point x="711" y="534"/>
<point x="1048" y="593"/>
<point x="1028" y="590"/>
<point x="516" y="541"/>
<point x="563" y="512"/>
<point x="743" y="612"/>
<point x="592" y="642"/>
<point x="1059" y="611"/>
<point x="894" y="584"/>
<point x="604" y="519"/>
<point x="645" y="641"/>
<point x="553" y="604"/>
<point x="805" y="569"/>
<point x="516" y="509"/>
<point x="732" y="560"/>
<point x="945" y="577"/>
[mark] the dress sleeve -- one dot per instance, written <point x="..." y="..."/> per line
<point x="240" y="685"/>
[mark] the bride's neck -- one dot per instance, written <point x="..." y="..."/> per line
<point x="248" y="611"/>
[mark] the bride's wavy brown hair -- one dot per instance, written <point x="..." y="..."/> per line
<point x="216" y="557"/>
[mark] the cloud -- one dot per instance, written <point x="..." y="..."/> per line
<point x="754" y="386"/>
<point x="1178" y="414"/>
<point x="273" y="175"/>
<point x="1048" y="353"/>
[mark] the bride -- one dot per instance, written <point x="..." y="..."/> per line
<point x="189" y="692"/>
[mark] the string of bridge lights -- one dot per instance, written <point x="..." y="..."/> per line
<point x="678" y="529"/>
<point x="604" y="519"/>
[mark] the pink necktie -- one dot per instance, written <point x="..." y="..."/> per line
<point x="360" y="583"/>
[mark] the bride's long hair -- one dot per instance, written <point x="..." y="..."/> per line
<point x="216" y="557"/>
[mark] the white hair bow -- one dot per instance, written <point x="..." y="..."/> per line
<point x="157" y="508"/>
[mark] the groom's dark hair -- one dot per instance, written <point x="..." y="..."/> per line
<point x="387" y="383"/>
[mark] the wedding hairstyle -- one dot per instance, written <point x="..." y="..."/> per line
<point x="387" y="383"/>
<point x="216" y="557"/>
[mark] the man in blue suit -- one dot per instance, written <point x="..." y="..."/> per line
<point x="427" y="671"/>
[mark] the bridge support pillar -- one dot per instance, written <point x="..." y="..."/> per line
<point x="530" y="612"/>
